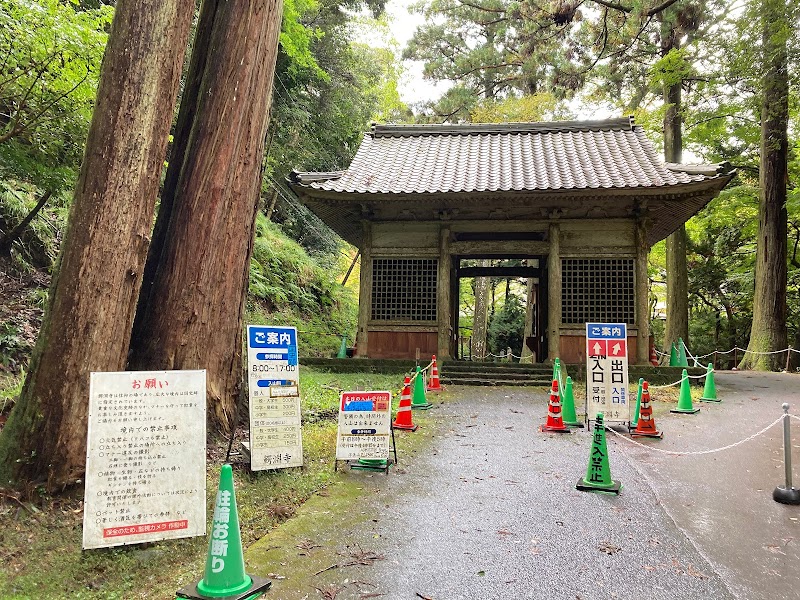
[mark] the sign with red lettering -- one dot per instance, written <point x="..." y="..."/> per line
<point x="607" y="371"/>
<point x="145" y="457"/>
<point x="364" y="425"/>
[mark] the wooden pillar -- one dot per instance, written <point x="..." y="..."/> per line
<point x="554" y="293"/>
<point x="443" y="298"/>
<point x="642" y="306"/>
<point x="365" y="293"/>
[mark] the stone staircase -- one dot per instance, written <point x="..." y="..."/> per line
<point x="494" y="373"/>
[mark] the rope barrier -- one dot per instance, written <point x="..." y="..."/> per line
<point x="734" y="349"/>
<point x="700" y="452"/>
<point x="681" y="380"/>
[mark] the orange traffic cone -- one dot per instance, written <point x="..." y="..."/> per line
<point x="434" y="385"/>
<point x="554" y="421"/>
<point x="653" y="356"/>
<point x="646" y="425"/>
<point x="403" y="419"/>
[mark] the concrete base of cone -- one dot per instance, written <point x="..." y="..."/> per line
<point x="657" y="434"/>
<point x="555" y="429"/>
<point x="717" y="400"/>
<point x="258" y="586"/>
<point x="784" y="496"/>
<point x="405" y="427"/>
<point x="371" y="464"/>
<point x="425" y="406"/>
<point x="585" y="486"/>
<point x="685" y="411"/>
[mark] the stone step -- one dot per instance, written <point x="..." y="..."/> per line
<point x="494" y="381"/>
<point x="474" y="374"/>
<point x="489" y="368"/>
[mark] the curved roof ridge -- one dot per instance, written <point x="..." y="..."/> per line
<point x="389" y="130"/>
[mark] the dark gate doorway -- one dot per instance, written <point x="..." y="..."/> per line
<point x="519" y="275"/>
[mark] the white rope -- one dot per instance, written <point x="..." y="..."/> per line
<point x="681" y="380"/>
<point x="689" y="354"/>
<point x="735" y="348"/>
<point x="699" y="452"/>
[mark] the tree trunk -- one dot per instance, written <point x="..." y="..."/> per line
<point x="677" y="325"/>
<point x="479" y="320"/>
<point x="768" y="329"/>
<point x="527" y="353"/>
<point x="193" y="318"/>
<point x="93" y="296"/>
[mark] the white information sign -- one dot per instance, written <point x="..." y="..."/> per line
<point x="145" y="457"/>
<point x="364" y="425"/>
<point x="275" y="433"/>
<point x="607" y="372"/>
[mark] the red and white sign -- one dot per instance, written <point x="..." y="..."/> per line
<point x="607" y="371"/>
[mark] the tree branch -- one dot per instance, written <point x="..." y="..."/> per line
<point x="8" y="239"/>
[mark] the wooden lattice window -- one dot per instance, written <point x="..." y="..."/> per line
<point x="597" y="290"/>
<point x="404" y="289"/>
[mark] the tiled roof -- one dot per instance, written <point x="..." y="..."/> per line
<point x="511" y="157"/>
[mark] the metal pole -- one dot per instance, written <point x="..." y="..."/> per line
<point x="787" y="494"/>
<point x="787" y="446"/>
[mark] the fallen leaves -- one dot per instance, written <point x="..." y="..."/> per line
<point x="608" y="548"/>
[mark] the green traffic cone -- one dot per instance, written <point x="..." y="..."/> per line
<point x="557" y="370"/>
<point x="685" y="400"/>
<point x="673" y="356"/>
<point x="710" y="390"/>
<point x="598" y="473"/>
<point x="682" y="362"/>
<point x="225" y="576"/>
<point x="568" y="406"/>
<point x="638" y="404"/>
<point x="343" y="348"/>
<point x="418" y="399"/>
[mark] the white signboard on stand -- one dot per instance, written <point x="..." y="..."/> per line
<point x="364" y="425"/>
<point x="607" y="372"/>
<point x="275" y="427"/>
<point x="145" y="457"/>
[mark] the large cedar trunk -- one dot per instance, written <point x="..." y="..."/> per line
<point x="193" y="316"/>
<point x="479" y="321"/>
<point x="768" y="330"/>
<point x="93" y="296"/>
<point x="677" y="325"/>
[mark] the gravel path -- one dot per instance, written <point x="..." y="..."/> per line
<point x="490" y="510"/>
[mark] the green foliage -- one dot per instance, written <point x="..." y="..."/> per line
<point x="323" y="99"/>
<point x="39" y="243"/>
<point x="506" y="327"/>
<point x="674" y="67"/>
<point x="296" y="38"/>
<point x="289" y="287"/>
<point x="52" y="53"/>
<point x="534" y="107"/>
<point x="13" y="347"/>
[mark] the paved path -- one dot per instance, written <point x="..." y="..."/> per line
<point x="491" y="510"/>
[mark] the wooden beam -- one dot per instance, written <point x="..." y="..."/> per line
<point x="499" y="272"/>
<point x="502" y="248"/>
